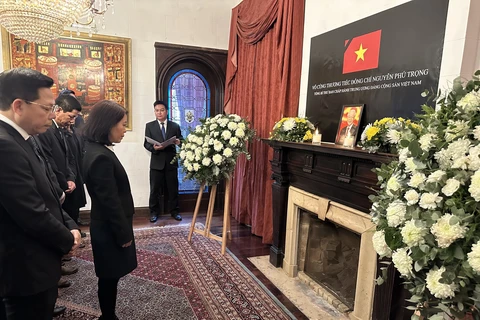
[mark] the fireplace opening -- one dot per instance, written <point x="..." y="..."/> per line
<point x="330" y="256"/>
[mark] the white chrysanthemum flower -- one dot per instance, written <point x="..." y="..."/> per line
<point x="458" y="148"/>
<point x="216" y="134"/>
<point x="414" y="232"/>
<point x="289" y="124"/>
<point x="470" y="102"/>
<point x="227" y="152"/>
<point x="396" y="213"/>
<point x="211" y="141"/>
<point x="461" y="163"/>
<point x="474" y="158"/>
<point x="242" y="126"/>
<point x="393" y="184"/>
<point x="213" y="126"/>
<point x="379" y="244"/>
<point x="417" y="180"/>
<point x="196" y="166"/>
<point x="456" y="129"/>
<point x="197" y="157"/>
<point x="426" y="141"/>
<point x="436" y="176"/>
<point x="223" y="122"/>
<point x="411" y="165"/>
<point x="226" y="134"/>
<point x="474" y="257"/>
<point x="200" y="141"/>
<point x="429" y="200"/>
<point x="232" y="126"/>
<point x="240" y="133"/>
<point x="190" y="156"/>
<point x="205" y="151"/>
<point x="206" y="161"/>
<point x="217" y="145"/>
<point x="182" y="154"/>
<point x="198" y="129"/>
<point x="403" y="155"/>
<point x="236" y="117"/>
<point x="474" y="188"/>
<point x="190" y="167"/>
<point x="233" y="141"/>
<point x="476" y="133"/>
<point x="438" y="289"/>
<point x="451" y="186"/>
<point x="217" y="159"/>
<point x="394" y="136"/>
<point x="446" y="233"/>
<point x="412" y="197"/>
<point x="403" y="262"/>
<point x="216" y="171"/>
<point x="443" y="159"/>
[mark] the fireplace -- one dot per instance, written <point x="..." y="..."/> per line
<point x="332" y="183"/>
<point x="350" y="220"/>
<point x="329" y="255"/>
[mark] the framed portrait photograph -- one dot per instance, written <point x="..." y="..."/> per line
<point x="95" y="68"/>
<point x="349" y="125"/>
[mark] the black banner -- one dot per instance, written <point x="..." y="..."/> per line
<point x="384" y="61"/>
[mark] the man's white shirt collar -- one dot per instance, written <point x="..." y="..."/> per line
<point x="15" y="126"/>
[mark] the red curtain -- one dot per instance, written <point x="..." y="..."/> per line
<point x="263" y="85"/>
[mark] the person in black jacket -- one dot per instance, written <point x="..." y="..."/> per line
<point x="163" y="173"/>
<point x="111" y="230"/>
<point x="34" y="231"/>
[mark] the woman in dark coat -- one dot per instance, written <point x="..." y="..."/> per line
<point x="112" y="210"/>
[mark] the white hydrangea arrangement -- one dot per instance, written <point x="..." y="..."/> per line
<point x="427" y="210"/>
<point x="209" y="152"/>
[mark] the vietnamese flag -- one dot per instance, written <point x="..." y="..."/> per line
<point x="362" y="52"/>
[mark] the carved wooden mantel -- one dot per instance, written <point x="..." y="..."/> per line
<point x="342" y="175"/>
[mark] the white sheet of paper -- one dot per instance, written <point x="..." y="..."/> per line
<point x="161" y="144"/>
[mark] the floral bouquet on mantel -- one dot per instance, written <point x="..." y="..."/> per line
<point x="427" y="211"/>
<point x="209" y="153"/>
<point x="385" y="134"/>
<point x="292" y="130"/>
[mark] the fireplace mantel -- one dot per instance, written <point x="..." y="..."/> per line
<point x="342" y="175"/>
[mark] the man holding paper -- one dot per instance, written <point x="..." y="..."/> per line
<point x="161" y="138"/>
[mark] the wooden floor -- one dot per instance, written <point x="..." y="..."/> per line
<point x="243" y="245"/>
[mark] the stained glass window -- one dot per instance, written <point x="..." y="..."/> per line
<point x="188" y="101"/>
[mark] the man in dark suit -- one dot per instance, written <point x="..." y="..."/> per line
<point x="350" y="129"/>
<point x="34" y="231"/>
<point x="59" y="154"/>
<point x="163" y="174"/>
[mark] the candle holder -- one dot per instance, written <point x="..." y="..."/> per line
<point x="317" y="138"/>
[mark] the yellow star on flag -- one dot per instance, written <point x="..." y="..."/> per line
<point x="360" y="53"/>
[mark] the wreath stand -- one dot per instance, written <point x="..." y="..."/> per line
<point x="226" y="215"/>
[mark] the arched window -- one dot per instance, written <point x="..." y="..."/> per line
<point x="188" y="102"/>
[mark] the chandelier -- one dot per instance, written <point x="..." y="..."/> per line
<point x="44" y="20"/>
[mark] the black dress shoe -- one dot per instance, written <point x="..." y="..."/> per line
<point x="153" y="218"/>
<point x="177" y="217"/>
<point x="62" y="283"/>
<point x="68" y="270"/>
<point x="58" y="311"/>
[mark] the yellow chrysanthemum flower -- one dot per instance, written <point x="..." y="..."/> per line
<point x="371" y="132"/>
<point x="308" y="136"/>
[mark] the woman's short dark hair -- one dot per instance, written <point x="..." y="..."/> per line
<point x="102" y="118"/>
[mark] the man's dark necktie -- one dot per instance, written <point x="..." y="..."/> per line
<point x="36" y="148"/>
<point x="163" y="130"/>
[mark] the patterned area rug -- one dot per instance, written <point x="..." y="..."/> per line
<point x="174" y="280"/>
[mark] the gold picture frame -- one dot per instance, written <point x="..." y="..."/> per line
<point x="96" y="68"/>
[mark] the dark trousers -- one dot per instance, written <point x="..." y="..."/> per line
<point x="164" y="182"/>
<point x="107" y="297"/>
<point x="71" y="207"/>
<point x="38" y="306"/>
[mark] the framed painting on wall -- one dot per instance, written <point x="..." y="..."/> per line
<point x="95" y="68"/>
<point x="349" y="125"/>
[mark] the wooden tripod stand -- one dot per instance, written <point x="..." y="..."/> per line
<point x="226" y="215"/>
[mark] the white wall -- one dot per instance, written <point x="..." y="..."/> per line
<point x="461" y="52"/>
<point x="204" y="23"/>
